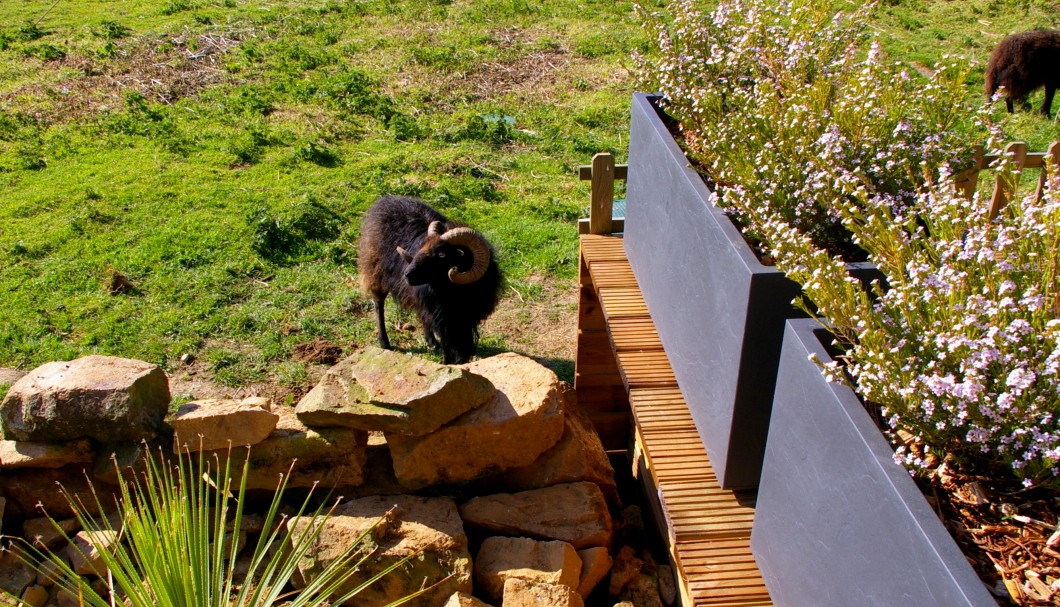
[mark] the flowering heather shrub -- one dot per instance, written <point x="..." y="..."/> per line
<point x="962" y="349"/>
<point x="773" y="95"/>
<point x="821" y="148"/>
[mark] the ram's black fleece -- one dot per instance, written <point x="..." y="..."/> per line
<point x="443" y="270"/>
<point x="1022" y="63"/>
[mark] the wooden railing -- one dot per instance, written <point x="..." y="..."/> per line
<point x="1005" y="183"/>
<point x="603" y="172"/>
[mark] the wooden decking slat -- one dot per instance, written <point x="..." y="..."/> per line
<point x="607" y="274"/>
<point x="620" y="302"/>
<point x="603" y="248"/>
<point x="634" y="333"/>
<point x="709" y="527"/>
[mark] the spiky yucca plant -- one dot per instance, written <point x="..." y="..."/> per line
<point x="176" y="544"/>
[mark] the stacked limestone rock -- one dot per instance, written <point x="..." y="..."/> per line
<point x="391" y="430"/>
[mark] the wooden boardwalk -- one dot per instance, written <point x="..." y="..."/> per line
<point x="625" y="381"/>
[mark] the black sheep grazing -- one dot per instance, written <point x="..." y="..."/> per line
<point x="1022" y="63"/>
<point x="445" y="271"/>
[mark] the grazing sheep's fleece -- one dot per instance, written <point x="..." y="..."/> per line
<point x="1023" y="63"/>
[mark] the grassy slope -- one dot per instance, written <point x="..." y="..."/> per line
<point x="229" y="194"/>
<point x="218" y="154"/>
<point x="923" y="32"/>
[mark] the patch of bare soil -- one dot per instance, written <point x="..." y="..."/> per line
<point x="544" y="327"/>
<point x="319" y="351"/>
<point x="527" y="67"/>
<point x="527" y="73"/>
<point x="163" y="69"/>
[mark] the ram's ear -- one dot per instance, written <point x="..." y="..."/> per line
<point x="404" y="255"/>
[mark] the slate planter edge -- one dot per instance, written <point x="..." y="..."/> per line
<point x="838" y="521"/>
<point x="721" y="317"/>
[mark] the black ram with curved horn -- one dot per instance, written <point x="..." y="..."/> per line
<point x="443" y="270"/>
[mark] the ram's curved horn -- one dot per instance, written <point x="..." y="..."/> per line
<point x="435" y="228"/>
<point x="480" y="253"/>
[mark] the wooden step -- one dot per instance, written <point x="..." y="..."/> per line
<point x="645" y="369"/>
<point x="622" y="302"/>
<point x="607" y="274"/>
<point x="634" y="333"/>
<point x="600" y="247"/>
<point x="707" y="528"/>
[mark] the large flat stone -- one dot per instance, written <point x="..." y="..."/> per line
<point x="573" y="512"/>
<point x="577" y="456"/>
<point x="28" y="454"/>
<point x="99" y="397"/>
<point x="522" y="593"/>
<point x="332" y="457"/>
<point x="427" y="526"/>
<point x="522" y="420"/>
<point x="209" y="424"/>
<point x="596" y="564"/>
<point x="377" y="389"/>
<point x="502" y="558"/>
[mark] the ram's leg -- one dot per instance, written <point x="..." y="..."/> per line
<point x="380" y="322"/>
<point x="458" y="345"/>
<point x="1047" y="104"/>
<point x="431" y="339"/>
<point x="430" y="333"/>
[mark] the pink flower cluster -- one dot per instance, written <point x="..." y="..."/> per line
<point x="962" y="348"/>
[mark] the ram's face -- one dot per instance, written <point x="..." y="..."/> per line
<point x="433" y="261"/>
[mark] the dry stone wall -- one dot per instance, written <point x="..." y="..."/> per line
<point x="489" y="463"/>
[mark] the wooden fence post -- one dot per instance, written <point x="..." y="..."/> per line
<point x="1005" y="187"/>
<point x="1054" y="153"/>
<point x="967" y="180"/>
<point x="602" y="187"/>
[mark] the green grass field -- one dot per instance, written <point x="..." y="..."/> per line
<point x="185" y="178"/>
<point x="921" y="32"/>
